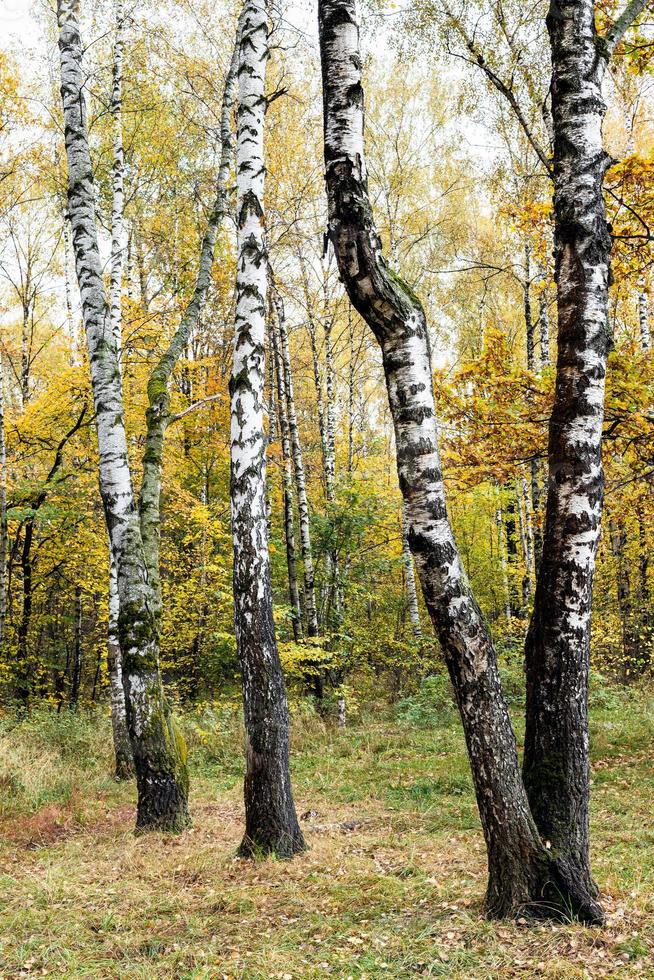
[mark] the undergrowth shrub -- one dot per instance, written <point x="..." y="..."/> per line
<point x="433" y="697"/>
<point x="46" y="757"/>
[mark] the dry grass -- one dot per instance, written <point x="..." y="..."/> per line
<point x="395" y="893"/>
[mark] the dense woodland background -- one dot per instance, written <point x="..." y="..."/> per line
<point x="463" y="208"/>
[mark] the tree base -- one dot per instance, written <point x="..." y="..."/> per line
<point x="284" y="846"/>
<point x="549" y="888"/>
<point x="162" y="806"/>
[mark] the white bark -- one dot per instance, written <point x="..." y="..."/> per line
<point x="70" y="321"/>
<point x="643" y="318"/>
<point x="114" y="656"/>
<point x="271" y="821"/>
<point x="410" y="578"/>
<point x="519" y="865"/>
<point x="317" y="373"/>
<point x="118" y="191"/>
<point x="529" y="528"/>
<point x="161" y="774"/>
<point x="330" y="422"/>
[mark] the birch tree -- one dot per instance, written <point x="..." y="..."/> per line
<point x="556" y="761"/>
<point x="159" y="751"/>
<point x="523" y="872"/>
<point x="287" y="482"/>
<point x="310" y="606"/>
<point x="271" y="823"/>
<point x="643" y="318"/>
<point x="122" y="751"/>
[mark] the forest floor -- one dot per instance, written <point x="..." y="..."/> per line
<point x="391" y="886"/>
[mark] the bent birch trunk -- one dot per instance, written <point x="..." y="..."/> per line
<point x="523" y="875"/>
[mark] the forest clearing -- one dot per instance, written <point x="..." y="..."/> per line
<point x="326" y="488"/>
<point x="392" y="884"/>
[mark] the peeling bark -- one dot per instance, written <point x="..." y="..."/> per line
<point x="522" y="873"/>
<point x="159" y="751"/>
<point x="271" y="824"/>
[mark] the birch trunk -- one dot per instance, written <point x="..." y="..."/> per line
<point x="300" y="478"/>
<point x="643" y="319"/>
<point x="159" y="751"/>
<point x="287" y="481"/>
<point x="271" y="823"/>
<point x="118" y="191"/>
<point x="124" y="767"/>
<point x="317" y="374"/>
<point x="536" y="506"/>
<point x="25" y="345"/>
<point x="530" y="326"/>
<point x="556" y="761"/>
<point x="70" y="322"/>
<point x="351" y="373"/>
<point x="330" y="426"/>
<point x="410" y="578"/>
<point x="124" y="764"/>
<point x="523" y="517"/>
<point x="522" y="872"/>
<point x="529" y="527"/>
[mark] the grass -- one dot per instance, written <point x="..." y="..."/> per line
<point x="391" y="887"/>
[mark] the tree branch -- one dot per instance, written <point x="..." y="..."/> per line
<point x="618" y="30"/>
<point x="192" y="408"/>
<point x="505" y="90"/>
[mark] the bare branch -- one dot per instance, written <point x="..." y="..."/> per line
<point x="615" y="33"/>
<point x="502" y="87"/>
<point x="192" y="408"/>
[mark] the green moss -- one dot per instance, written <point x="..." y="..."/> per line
<point x="404" y="286"/>
<point x="157" y="388"/>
